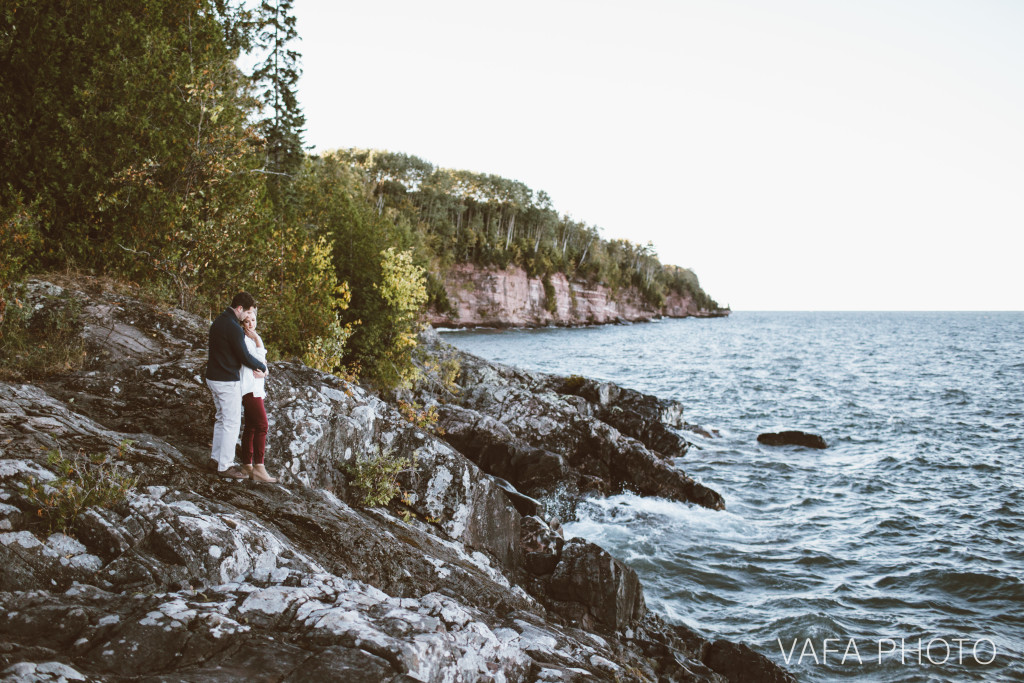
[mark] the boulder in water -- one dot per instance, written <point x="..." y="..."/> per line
<point x="792" y="438"/>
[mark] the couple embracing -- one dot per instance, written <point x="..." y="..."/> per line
<point x="235" y="373"/>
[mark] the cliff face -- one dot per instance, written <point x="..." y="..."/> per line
<point x="196" y="578"/>
<point x="509" y="298"/>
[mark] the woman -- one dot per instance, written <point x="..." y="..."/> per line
<point x="254" y="436"/>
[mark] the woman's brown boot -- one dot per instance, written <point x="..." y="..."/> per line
<point x="259" y="473"/>
<point x="248" y="470"/>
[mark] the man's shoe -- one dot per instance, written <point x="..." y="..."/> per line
<point x="212" y="465"/>
<point x="232" y="473"/>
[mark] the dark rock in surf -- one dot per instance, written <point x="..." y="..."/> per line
<point x="593" y="588"/>
<point x="792" y="438"/>
<point x="571" y="436"/>
<point x="646" y="418"/>
<point x="491" y="445"/>
<point x="739" y="664"/>
<point x="523" y="504"/>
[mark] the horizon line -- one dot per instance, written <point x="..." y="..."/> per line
<point x="876" y="310"/>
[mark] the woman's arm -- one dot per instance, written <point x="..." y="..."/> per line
<point x="242" y="352"/>
<point x="259" y="353"/>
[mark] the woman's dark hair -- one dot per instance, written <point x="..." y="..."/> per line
<point x="243" y="299"/>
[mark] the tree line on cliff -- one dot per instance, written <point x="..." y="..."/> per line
<point x="135" y="147"/>
<point x="488" y="220"/>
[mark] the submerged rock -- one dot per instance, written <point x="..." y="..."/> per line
<point x="792" y="438"/>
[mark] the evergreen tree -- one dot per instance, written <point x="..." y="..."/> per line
<point x="125" y="125"/>
<point x="276" y="79"/>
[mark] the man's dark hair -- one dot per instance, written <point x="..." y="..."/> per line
<point x="243" y="299"/>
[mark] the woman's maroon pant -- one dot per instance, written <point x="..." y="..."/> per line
<point x="254" y="436"/>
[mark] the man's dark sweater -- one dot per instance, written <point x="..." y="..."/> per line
<point x="227" y="350"/>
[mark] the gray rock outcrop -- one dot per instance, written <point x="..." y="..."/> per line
<point x="563" y="437"/>
<point x="194" y="578"/>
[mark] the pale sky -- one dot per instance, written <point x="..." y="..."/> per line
<point x="796" y="154"/>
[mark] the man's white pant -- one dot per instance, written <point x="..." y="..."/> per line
<point x="227" y="396"/>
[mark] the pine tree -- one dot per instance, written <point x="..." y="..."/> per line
<point x="125" y="125"/>
<point x="276" y="80"/>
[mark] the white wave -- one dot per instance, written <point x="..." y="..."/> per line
<point x="644" y="519"/>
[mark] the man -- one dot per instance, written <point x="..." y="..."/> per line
<point x="227" y="354"/>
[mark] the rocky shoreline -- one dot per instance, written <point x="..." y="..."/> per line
<point x="467" y="577"/>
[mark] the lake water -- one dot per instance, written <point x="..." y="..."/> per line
<point x="897" y="554"/>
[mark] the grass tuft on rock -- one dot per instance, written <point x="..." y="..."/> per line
<point x="82" y="482"/>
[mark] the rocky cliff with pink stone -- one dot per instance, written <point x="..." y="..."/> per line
<point x="510" y="298"/>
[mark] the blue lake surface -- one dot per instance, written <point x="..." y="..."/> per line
<point x="897" y="554"/>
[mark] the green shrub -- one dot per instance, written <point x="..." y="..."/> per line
<point x="82" y="482"/>
<point x="375" y="477"/>
<point x="326" y="353"/>
<point x="37" y="343"/>
<point x="550" y="300"/>
<point x="424" y="418"/>
<point x="402" y="286"/>
<point x="439" y="374"/>
<point x="437" y="295"/>
<point x="574" y="383"/>
<point x="19" y="236"/>
<point x="448" y="371"/>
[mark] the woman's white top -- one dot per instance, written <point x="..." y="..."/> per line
<point x="251" y="383"/>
